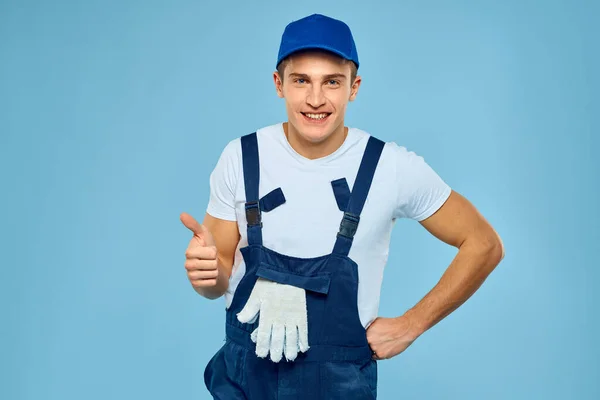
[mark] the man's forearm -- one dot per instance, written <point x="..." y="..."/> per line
<point x="467" y="272"/>
<point x="214" y="292"/>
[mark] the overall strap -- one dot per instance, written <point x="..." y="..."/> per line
<point x="251" y="168"/>
<point x="358" y="196"/>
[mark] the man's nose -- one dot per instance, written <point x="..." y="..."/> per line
<point x="316" y="97"/>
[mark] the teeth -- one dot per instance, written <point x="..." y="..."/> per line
<point x="316" y="116"/>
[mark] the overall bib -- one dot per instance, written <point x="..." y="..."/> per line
<point x="339" y="363"/>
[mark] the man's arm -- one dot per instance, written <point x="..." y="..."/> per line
<point x="459" y="224"/>
<point x="480" y="250"/>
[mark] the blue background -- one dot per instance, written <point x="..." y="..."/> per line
<point x="113" y="114"/>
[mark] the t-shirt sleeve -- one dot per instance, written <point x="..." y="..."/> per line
<point x="421" y="191"/>
<point x="223" y="183"/>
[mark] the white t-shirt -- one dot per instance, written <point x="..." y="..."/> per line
<point x="404" y="186"/>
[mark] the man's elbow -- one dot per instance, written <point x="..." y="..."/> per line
<point x="494" y="249"/>
<point x="486" y="245"/>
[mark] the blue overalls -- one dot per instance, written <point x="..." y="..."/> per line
<point x="339" y="363"/>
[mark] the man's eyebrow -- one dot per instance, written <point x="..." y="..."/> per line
<point x="297" y="75"/>
<point x="335" y="76"/>
<point x="326" y="77"/>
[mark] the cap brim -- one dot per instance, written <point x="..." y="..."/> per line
<point x="313" y="47"/>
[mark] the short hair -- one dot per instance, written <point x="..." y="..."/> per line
<point x="353" y="68"/>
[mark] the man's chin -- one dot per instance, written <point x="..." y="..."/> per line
<point x="314" y="134"/>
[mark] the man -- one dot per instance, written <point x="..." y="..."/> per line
<point x="297" y="231"/>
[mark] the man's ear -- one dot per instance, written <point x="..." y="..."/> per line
<point x="278" y="84"/>
<point x="354" y="88"/>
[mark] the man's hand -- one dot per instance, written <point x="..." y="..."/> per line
<point x="201" y="255"/>
<point x="389" y="337"/>
<point x="210" y="254"/>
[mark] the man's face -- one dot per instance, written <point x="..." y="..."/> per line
<point x="317" y="88"/>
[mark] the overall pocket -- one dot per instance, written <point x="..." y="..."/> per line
<point x="346" y="380"/>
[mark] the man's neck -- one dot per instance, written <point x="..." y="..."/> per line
<point x="312" y="150"/>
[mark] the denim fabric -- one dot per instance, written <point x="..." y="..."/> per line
<point x="235" y="373"/>
<point x="339" y="363"/>
<point x="341" y="191"/>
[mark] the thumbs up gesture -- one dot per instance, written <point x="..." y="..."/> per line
<point x="201" y="260"/>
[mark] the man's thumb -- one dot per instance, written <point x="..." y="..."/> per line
<point x="197" y="229"/>
<point x="191" y="223"/>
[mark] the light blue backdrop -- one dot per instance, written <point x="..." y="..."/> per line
<point x="112" y="115"/>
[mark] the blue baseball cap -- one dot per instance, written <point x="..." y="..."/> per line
<point x="318" y="32"/>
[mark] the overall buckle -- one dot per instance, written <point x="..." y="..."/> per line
<point x="349" y="225"/>
<point x="253" y="214"/>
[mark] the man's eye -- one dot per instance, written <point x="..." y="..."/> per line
<point x="333" y="82"/>
<point x="300" y="80"/>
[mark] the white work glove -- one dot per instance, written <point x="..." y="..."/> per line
<point x="282" y="320"/>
